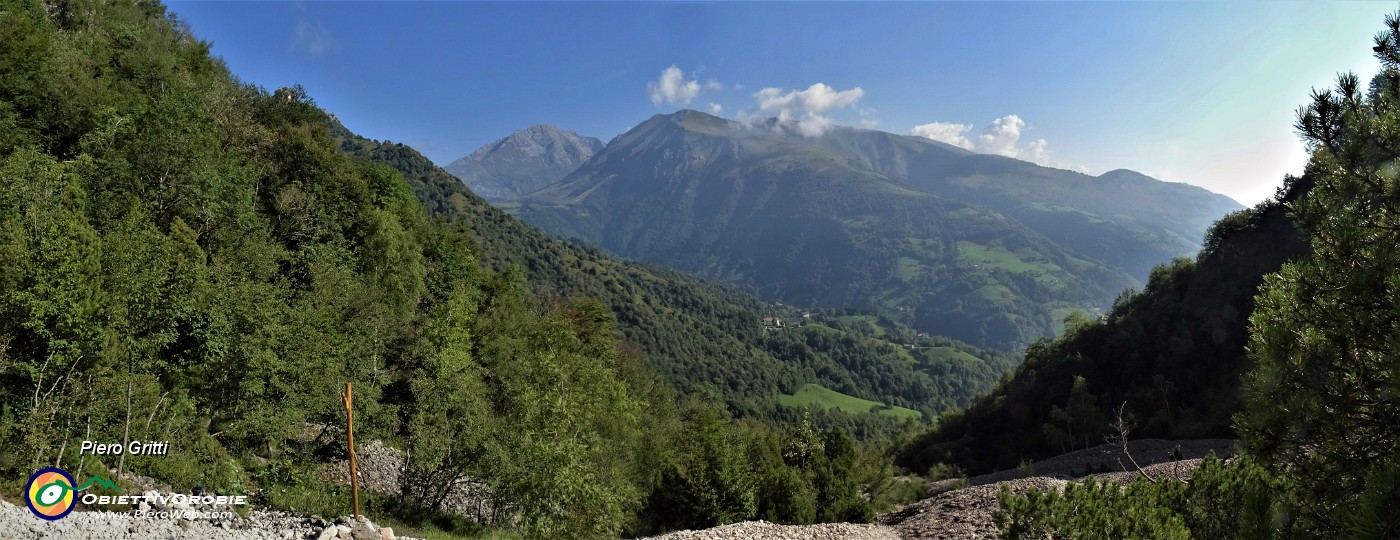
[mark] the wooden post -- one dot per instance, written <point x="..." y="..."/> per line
<point x="350" y="429"/>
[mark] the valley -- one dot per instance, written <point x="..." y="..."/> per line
<point x="660" y="311"/>
<point x="766" y="308"/>
<point x="872" y="220"/>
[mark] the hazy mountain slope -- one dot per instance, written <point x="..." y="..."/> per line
<point x="1172" y="354"/>
<point x="809" y="222"/>
<point x="524" y="161"/>
<point x="1122" y="218"/>
<point x="691" y="330"/>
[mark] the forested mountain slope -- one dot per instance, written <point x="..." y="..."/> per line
<point x="1122" y="218"/>
<point x="807" y="222"/>
<point x="190" y="259"/>
<point x="694" y="331"/>
<point x="185" y="258"/>
<point x="1172" y="355"/>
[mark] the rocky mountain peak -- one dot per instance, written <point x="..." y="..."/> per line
<point x="524" y="161"/>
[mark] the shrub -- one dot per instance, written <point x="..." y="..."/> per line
<point x="1220" y="501"/>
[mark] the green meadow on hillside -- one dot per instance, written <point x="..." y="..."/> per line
<point x="815" y="394"/>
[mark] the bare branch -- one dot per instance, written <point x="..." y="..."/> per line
<point x="1121" y="427"/>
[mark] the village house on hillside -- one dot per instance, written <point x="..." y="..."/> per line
<point x="772" y="322"/>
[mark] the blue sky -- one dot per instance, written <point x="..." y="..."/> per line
<point x="1203" y="93"/>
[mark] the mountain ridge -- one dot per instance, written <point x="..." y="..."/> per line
<point x="656" y="305"/>
<point x="523" y="161"/>
<point x="812" y="221"/>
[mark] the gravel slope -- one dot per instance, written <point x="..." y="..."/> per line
<point x="948" y="513"/>
<point x="956" y="513"/>
<point x="961" y="513"/>
<point x="966" y="513"/>
<point x="17" y="523"/>
<point x="749" y="530"/>
<point x="1107" y="457"/>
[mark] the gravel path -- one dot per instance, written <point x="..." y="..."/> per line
<point x="17" y="523"/>
<point x="750" y="530"/>
<point x="967" y="512"/>
<point x="961" y="513"/>
<point x="1108" y="457"/>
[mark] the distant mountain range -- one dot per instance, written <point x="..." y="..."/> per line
<point x="524" y="161"/>
<point x="986" y="249"/>
<point x="697" y="333"/>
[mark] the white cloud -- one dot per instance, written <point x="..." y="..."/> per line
<point x="814" y="125"/>
<point x="713" y="85"/>
<point x="672" y="88"/>
<point x="804" y="110"/>
<point x="311" y="39"/>
<point x="817" y="98"/>
<point x="1002" y="136"/>
<point x="716" y="108"/>
<point x="944" y="132"/>
<point x="1036" y="152"/>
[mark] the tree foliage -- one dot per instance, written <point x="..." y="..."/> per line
<point x="1221" y="500"/>
<point x="1174" y="352"/>
<point x="1319" y="425"/>
<point x="1079" y="423"/>
<point x="1321" y="407"/>
<point x="187" y="258"/>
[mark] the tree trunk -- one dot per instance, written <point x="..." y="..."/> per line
<point x="87" y="433"/>
<point x="126" y="429"/>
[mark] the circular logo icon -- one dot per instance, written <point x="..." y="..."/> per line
<point x="49" y="493"/>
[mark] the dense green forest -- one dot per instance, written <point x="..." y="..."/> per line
<point x="188" y="258"/>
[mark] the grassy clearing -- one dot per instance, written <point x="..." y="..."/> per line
<point x="862" y="223"/>
<point x="996" y="256"/>
<point x="908" y="358"/>
<point x="906" y="269"/>
<point x="954" y="355"/>
<point x="815" y="394"/>
<point x="995" y="293"/>
<point x="866" y="324"/>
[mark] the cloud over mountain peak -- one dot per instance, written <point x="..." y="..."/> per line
<point x="1000" y="137"/>
<point x="672" y="88"/>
